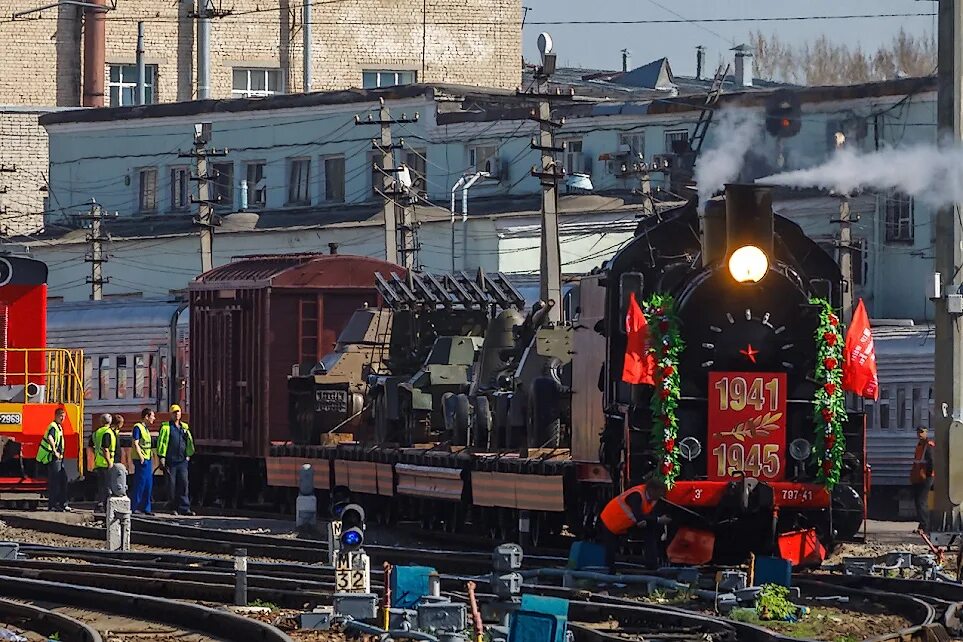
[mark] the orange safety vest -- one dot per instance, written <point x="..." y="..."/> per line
<point x="618" y="516"/>
<point x="918" y="471"/>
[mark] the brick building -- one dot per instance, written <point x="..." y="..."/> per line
<point x="256" y="49"/>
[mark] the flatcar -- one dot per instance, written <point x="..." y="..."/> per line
<point x="35" y="380"/>
<point x="744" y="414"/>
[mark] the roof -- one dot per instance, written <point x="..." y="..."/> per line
<point x="96" y="315"/>
<point x="317" y="271"/>
<point x="330" y="217"/>
<point x="655" y="75"/>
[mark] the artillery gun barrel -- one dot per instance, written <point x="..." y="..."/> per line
<point x="538" y="317"/>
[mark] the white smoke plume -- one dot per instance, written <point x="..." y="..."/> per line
<point x="736" y="131"/>
<point x="932" y="174"/>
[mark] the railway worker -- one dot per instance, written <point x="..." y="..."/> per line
<point x="51" y="454"/>
<point x="635" y="507"/>
<point x="175" y="447"/>
<point x="921" y="477"/>
<point x="105" y="446"/>
<point x="143" y="464"/>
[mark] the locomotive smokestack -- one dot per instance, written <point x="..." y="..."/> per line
<point x="749" y="231"/>
<point x="712" y="225"/>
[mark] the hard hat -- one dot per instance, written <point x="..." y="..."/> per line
<point x="175" y="408"/>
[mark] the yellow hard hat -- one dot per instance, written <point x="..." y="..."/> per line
<point x="175" y="408"/>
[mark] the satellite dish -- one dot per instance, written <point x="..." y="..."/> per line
<point x="544" y="44"/>
<point x="404" y="177"/>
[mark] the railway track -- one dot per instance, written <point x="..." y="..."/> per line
<point x="46" y="622"/>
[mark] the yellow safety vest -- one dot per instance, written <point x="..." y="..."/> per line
<point x="164" y="436"/>
<point x="45" y="454"/>
<point x="99" y="460"/>
<point x="144" y="439"/>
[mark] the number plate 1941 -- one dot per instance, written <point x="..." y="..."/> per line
<point x="747" y="425"/>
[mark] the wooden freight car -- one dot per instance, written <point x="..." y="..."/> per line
<point x="251" y="321"/>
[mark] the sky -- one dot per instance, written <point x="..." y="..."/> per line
<point x="599" y="46"/>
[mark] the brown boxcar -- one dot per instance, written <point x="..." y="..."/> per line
<point x="251" y="321"/>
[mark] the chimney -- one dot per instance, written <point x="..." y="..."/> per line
<point x="95" y="44"/>
<point x="743" y="65"/>
<point x="700" y="61"/>
<point x="333" y="248"/>
<point x="626" y="60"/>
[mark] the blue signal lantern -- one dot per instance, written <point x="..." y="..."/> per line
<point x="352" y="519"/>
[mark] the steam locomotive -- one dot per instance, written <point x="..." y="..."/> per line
<point x="736" y="415"/>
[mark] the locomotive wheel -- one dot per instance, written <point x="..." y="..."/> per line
<point x="462" y="420"/>
<point x="482" y="427"/>
<point x="544" y="414"/>
<point x="847" y="508"/>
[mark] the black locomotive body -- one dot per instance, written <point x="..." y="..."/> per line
<point x="749" y="345"/>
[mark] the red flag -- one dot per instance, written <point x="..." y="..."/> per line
<point x="859" y="357"/>
<point x="639" y="363"/>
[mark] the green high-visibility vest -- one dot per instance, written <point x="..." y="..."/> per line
<point x="144" y="439"/>
<point x="99" y="460"/>
<point x="45" y="454"/>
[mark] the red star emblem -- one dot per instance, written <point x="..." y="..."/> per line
<point x="750" y="353"/>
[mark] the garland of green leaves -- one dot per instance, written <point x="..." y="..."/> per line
<point x="665" y="343"/>
<point x="829" y="404"/>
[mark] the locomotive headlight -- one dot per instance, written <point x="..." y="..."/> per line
<point x="800" y="449"/>
<point x="748" y="264"/>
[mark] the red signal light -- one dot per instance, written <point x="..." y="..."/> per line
<point x="785" y="122"/>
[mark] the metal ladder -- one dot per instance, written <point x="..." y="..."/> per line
<point x="705" y="117"/>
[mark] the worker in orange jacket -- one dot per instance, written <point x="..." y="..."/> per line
<point x="635" y="507"/>
<point x="921" y="477"/>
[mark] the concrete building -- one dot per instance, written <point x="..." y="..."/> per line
<point x="52" y="59"/>
<point x="310" y="177"/>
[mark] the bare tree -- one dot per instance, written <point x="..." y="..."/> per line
<point x="823" y="62"/>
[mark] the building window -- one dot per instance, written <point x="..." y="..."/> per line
<point x="249" y="83"/>
<point x="180" y="188"/>
<point x="635" y="144"/>
<point x="899" y="218"/>
<point x="147" y="189"/>
<point x="123" y="85"/>
<point x="417" y="162"/>
<point x="256" y="185"/>
<point x="479" y="157"/>
<point x="387" y="78"/>
<point x="103" y="378"/>
<point x="677" y="142"/>
<point x="574" y="162"/>
<point x="377" y="175"/>
<point x="141" y="377"/>
<point x="299" y="181"/>
<point x="222" y="187"/>
<point x="334" y="179"/>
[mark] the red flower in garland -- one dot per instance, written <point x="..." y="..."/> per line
<point x="828" y="468"/>
<point x="830" y="388"/>
<point x="663" y="326"/>
<point x="666" y="421"/>
<point x="830" y="441"/>
<point x="668" y="371"/>
<point x="669" y="445"/>
<point x="830" y="363"/>
<point x="833" y="320"/>
<point x="659" y="311"/>
<point x="667" y="467"/>
<point x="830" y="338"/>
<point x="827" y="415"/>
<point x="664" y="393"/>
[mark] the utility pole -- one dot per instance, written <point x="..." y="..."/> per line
<point x="206" y="220"/>
<point x="549" y="173"/>
<point x="97" y="256"/>
<point x="948" y="302"/>
<point x="844" y="245"/>
<point x="397" y="215"/>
